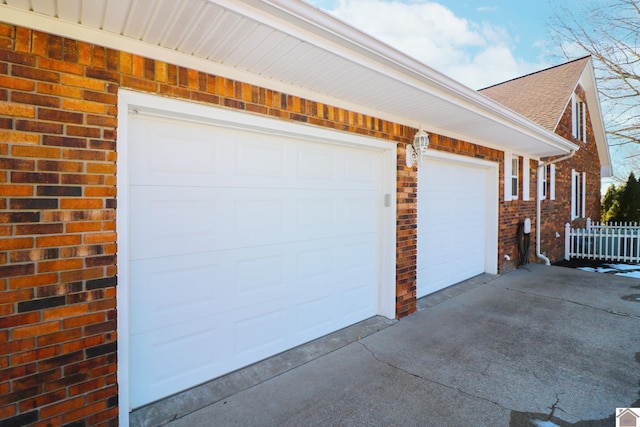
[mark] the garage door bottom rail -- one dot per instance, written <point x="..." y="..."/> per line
<point x="188" y="401"/>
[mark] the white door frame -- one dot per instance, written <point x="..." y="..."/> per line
<point x="131" y="102"/>
<point x="492" y="202"/>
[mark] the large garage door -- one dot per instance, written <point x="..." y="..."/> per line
<point x="456" y="222"/>
<point x="242" y="244"/>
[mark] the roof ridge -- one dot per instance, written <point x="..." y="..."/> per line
<point x="536" y="72"/>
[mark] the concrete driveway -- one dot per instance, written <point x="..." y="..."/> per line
<point x="540" y="346"/>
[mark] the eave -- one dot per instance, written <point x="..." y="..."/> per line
<point x="292" y="47"/>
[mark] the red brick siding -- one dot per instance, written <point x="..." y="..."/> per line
<point x="556" y="213"/>
<point x="514" y="212"/>
<point x="406" y="236"/>
<point x="57" y="244"/>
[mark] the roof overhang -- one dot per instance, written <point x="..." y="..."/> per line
<point x="295" y="48"/>
<point x="588" y="82"/>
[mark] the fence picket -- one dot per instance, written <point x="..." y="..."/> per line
<point x="617" y="241"/>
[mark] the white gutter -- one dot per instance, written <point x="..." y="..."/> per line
<point x="541" y="166"/>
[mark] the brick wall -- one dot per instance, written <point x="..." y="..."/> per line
<point x="514" y="212"/>
<point x="57" y="238"/>
<point x="406" y="237"/>
<point x="556" y="213"/>
<point x="58" y="271"/>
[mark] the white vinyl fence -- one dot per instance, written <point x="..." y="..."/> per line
<point x="607" y="242"/>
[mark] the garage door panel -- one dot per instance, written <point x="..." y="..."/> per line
<point x="198" y="348"/>
<point x="174" y="221"/>
<point x="205" y="351"/>
<point x="240" y="158"/>
<point x="178" y="289"/>
<point x="452" y="222"/>
<point x="317" y="164"/>
<point x="163" y="154"/>
<point x="358" y="300"/>
<point x="360" y="168"/>
<point x="267" y="242"/>
<point x="263" y="333"/>
<point x="259" y="274"/>
<point x="318" y="212"/>
<point x="262" y="159"/>
<point x="313" y="317"/>
<point x="191" y="287"/>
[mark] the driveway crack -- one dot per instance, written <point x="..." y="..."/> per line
<point x="615" y="313"/>
<point x="555" y="406"/>
<point x="391" y="365"/>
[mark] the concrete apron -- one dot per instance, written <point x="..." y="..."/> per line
<point x="536" y="347"/>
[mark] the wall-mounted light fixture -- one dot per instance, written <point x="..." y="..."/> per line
<point x="418" y="151"/>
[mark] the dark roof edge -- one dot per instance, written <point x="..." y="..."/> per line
<point x="535" y="72"/>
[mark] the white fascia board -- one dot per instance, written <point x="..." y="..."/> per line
<point x="597" y="121"/>
<point x="526" y="178"/>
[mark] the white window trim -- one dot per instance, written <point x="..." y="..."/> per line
<point x="526" y="188"/>
<point x="573" y="116"/>
<point x="542" y="183"/>
<point x="578" y="189"/>
<point x="583" y="199"/>
<point x="578" y="118"/>
<point x="514" y="174"/>
<point x="583" y="109"/>
<point x="507" y="176"/>
<point x="573" y="194"/>
<point x="552" y="182"/>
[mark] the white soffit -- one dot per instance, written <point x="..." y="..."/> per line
<point x="290" y="46"/>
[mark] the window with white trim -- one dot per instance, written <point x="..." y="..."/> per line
<point x="578" y="118"/>
<point x="584" y="194"/>
<point x="542" y="180"/>
<point x="552" y="181"/>
<point x="578" y="194"/>
<point x="526" y="178"/>
<point x="515" y="169"/>
<point x="547" y="182"/>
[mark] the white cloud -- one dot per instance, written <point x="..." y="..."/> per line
<point x="488" y="9"/>
<point x="477" y="54"/>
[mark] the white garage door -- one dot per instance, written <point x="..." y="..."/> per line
<point x="456" y="222"/>
<point x="242" y="244"/>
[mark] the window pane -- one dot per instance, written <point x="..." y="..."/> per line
<point x="576" y="195"/>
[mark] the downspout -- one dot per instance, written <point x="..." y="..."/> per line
<point x="541" y="166"/>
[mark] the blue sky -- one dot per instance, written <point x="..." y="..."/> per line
<point x="478" y="43"/>
<point x="525" y="20"/>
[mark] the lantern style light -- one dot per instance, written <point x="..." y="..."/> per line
<point x="418" y="151"/>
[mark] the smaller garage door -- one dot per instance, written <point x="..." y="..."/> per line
<point x="457" y="221"/>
